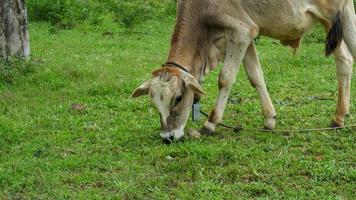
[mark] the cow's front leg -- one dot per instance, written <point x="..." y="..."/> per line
<point x="237" y="43"/>
<point x="344" y="62"/>
<point x="255" y="75"/>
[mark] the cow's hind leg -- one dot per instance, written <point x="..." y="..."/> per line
<point x="348" y="19"/>
<point x="236" y="45"/>
<point x="255" y="75"/>
<point x="344" y="63"/>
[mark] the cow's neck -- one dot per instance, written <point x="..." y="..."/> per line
<point x="183" y="55"/>
<point x="184" y="45"/>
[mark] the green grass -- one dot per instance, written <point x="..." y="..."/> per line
<point x="109" y="148"/>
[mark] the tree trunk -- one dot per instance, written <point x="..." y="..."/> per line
<point x="14" y="37"/>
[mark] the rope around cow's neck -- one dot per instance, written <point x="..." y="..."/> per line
<point x="239" y="128"/>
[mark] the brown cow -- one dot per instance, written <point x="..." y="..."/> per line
<point x="209" y="31"/>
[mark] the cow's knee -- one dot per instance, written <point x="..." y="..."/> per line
<point x="256" y="80"/>
<point x="346" y="69"/>
<point x="344" y="62"/>
<point x="226" y="79"/>
<point x="344" y="56"/>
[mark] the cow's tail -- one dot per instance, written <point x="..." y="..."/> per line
<point x="335" y="35"/>
<point x="343" y="28"/>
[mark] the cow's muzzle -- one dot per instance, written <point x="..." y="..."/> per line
<point x="172" y="136"/>
<point x="168" y="140"/>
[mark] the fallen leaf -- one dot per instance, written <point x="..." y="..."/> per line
<point x="77" y="107"/>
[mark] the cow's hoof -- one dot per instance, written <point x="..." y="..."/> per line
<point x="194" y="134"/>
<point x="270" y="123"/>
<point x="267" y="128"/>
<point x="206" y="132"/>
<point x="335" y="124"/>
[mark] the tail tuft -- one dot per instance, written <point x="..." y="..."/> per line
<point x="335" y="36"/>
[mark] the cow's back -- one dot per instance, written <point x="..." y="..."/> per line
<point x="289" y="19"/>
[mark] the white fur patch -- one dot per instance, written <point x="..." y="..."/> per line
<point x="177" y="133"/>
<point x="162" y="94"/>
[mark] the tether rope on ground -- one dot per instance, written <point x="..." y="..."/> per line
<point x="238" y="129"/>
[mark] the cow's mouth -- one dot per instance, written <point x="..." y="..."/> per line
<point x="172" y="136"/>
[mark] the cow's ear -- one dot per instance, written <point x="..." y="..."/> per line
<point x="191" y="82"/>
<point x="142" y="89"/>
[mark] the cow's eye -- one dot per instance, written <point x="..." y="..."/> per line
<point x="178" y="99"/>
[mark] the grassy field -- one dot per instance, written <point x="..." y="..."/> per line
<point x="69" y="129"/>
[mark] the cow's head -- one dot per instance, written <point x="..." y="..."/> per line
<point x="172" y="92"/>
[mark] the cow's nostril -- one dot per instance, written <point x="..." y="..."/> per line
<point x="168" y="140"/>
<point x="181" y="140"/>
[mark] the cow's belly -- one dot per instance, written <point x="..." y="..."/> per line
<point x="288" y="31"/>
<point x="283" y="20"/>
